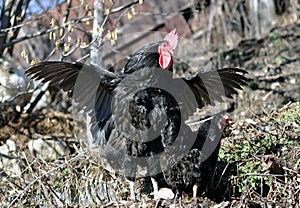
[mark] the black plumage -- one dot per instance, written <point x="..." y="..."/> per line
<point x="140" y="112"/>
<point x="195" y="169"/>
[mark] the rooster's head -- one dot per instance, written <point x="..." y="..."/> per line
<point x="166" y="48"/>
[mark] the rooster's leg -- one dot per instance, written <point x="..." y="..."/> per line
<point x="178" y="195"/>
<point x="155" y="188"/>
<point x="132" y="190"/>
<point x="195" y="188"/>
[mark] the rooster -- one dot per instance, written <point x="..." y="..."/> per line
<point x="139" y="112"/>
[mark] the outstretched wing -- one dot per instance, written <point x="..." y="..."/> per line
<point x="91" y="87"/>
<point x="213" y="86"/>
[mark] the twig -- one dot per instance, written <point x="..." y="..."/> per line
<point x="223" y="172"/>
<point x="109" y="204"/>
<point x="266" y="174"/>
<point x="37" y="99"/>
<point x="118" y="9"/>
<point x="46" y="31"/>
<point x="210" y="23"/>
<point x="290" y="170"/>
<point x="55" y="194"/>
<point x="19" y="16"/>
<point x="26" y="37"/>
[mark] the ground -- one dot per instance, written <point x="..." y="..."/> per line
<point x="258" y="163"/>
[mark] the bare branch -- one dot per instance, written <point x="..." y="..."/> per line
<point x="5" y="21"/>
<point x="33" y="35"/>
<point x="66" y="16"/>
<point x="18" y="16"/>
<point x="118" y="9"/>
<point x="12" y="42"/>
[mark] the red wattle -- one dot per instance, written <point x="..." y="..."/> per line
<point x="165" y="60"/>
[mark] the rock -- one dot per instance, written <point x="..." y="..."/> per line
<point x="48" y="149"/>
<point x="164" y="193"/>
<point x="250" y="121"/>
<point x="9" y="163"/>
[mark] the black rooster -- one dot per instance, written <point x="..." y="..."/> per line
<point x="138" y="114"/>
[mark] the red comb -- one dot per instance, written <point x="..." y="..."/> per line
<point x="172" y="38"/>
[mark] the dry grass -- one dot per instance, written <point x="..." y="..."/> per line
<point x="265" y="151"/>
<point x="258" y="146"/>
